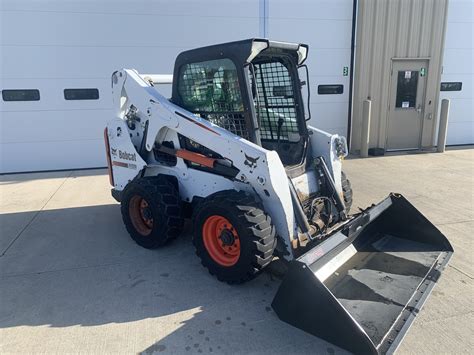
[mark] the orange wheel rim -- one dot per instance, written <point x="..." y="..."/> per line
<point x="221" y="240"/>
<point x="140" y="214"/>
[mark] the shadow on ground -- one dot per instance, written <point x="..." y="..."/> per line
<point x="79" y="267"/>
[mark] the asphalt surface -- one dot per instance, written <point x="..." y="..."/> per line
<point x="72" y="280"/>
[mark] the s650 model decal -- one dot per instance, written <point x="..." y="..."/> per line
<point x="124" y="165"/>
<point x="125" y="156"/>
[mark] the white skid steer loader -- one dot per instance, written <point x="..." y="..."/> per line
<point x="231" y="149"/>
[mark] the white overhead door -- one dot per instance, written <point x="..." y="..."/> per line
<point x="51" y="46"/>
<point x="457" y="79"/>
<point x="326" y="25"/>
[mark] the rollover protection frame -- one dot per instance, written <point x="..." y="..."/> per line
<point x="362" y="288"/>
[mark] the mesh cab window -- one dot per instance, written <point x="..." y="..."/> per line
<point x="276" y="100"/>
<point x="211" y="90"/>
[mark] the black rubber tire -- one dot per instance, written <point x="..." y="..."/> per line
<point x="165" y="206"/>
<point x="255" y="230"/>
<point x="346" y="191"/>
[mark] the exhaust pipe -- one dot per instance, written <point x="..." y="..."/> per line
<point x="362" y="288"/>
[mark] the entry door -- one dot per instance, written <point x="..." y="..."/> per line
<point x="407" y="104"/>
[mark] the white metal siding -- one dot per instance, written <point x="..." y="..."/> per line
<point x="325" y="25"/>
<point x="458" y="66"/>
<point x="53" y="45"/>
<point x="58" y="44"/>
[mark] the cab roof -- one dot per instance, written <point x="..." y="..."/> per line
<point x="241" y="52"/>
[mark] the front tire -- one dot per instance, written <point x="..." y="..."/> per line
<point x="151" y="211"/>
<point x="233" y="236"/>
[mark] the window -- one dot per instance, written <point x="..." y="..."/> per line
<point x="276" y="100"/>
<point x="333" y="89"/>
<point x="451" y="86"/>
<point x="81" y="94"/>
<point x="21" y="95"/>
<point x="407" y="86"/>
<point x="211" y="90"/>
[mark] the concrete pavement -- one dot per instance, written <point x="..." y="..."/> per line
<point x="72" y="280"/>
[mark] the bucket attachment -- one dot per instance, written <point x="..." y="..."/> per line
<point x="362" y="287"/>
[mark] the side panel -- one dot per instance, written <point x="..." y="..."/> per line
<point x="125" y="160"/>
<point x="324" y="145"/>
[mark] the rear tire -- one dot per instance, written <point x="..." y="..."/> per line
<point x="233" y="236"/>
<point x="346" y="191"/>
<point x="151" y="211"/>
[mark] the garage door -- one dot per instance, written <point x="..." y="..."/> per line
<point x="457" y="79"/>
<point x="327" y="27"/>
<point x="56" y="67"/>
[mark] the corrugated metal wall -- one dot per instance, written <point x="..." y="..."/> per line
<point x="388" y="29"/>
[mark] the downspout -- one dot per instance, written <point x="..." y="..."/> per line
<point x="351" y="73"/>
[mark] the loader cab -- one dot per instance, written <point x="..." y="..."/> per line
<point x="252" y="89"/>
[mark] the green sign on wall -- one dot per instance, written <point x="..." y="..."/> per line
<point x="345" y="71"/>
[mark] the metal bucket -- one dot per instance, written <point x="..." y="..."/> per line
<point x="362" y="287"/>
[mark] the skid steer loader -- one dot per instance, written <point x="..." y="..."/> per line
<point x="232" y="150"/>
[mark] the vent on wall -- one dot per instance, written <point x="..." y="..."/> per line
<point x="81" y="94"/>
<point x="333" y="89"/>
<point x="21" y="95"/>
<point x="451" y="86"/>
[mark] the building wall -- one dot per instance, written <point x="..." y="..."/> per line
<point x="58" y="44"/>
<point x="389" y="29"/>
<point x="458" y="66"/>
<point x="326" y="25"/>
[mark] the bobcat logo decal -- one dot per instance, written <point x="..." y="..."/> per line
<point x="251" y="162"/>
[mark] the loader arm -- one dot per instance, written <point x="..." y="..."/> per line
<point x="258" y="169"/>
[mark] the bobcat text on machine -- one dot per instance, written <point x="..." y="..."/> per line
<point x="232" y="151"/>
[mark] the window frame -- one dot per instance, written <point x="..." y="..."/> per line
<point x="35" y="92"/>
<point x="330" y="89"/>
<point x="83" y="92"/>
<point x="450" y="86"/>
